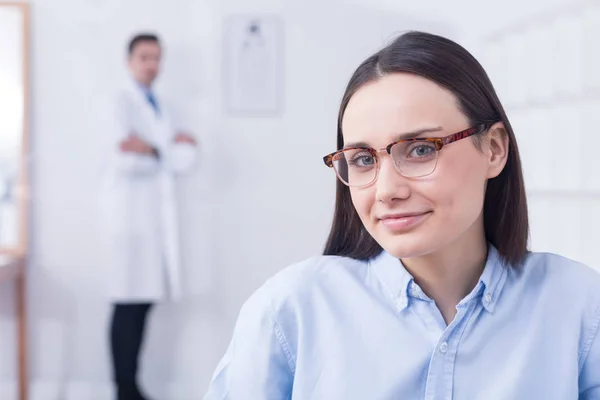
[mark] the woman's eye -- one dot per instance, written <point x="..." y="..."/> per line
<point x="421" y="150"/>
<point x="362" y="160"/>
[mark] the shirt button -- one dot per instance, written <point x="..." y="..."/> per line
<point x="443" y="348"/>
<point x="488" y="298"/>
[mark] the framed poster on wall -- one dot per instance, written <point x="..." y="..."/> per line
<point x="253" y="64"/>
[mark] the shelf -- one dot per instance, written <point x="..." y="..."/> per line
<point x="588" y="95"/>
<point x="565" y="193"/>
<point x="547" y="17"/>
<point x="10" y="268"/>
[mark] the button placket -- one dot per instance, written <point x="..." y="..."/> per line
<point x="443" y="347"/>
<point x="442" y="365"/>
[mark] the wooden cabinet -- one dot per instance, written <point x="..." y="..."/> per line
<point x="12" y="271"/>
<point x="14" y="160"/>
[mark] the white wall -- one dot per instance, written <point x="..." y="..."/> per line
<point x="246" y="218"/>
<point x="545" y="67"/>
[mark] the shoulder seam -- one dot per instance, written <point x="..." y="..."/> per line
<point x="588" y="343"/>
<point x="283" y="343"/>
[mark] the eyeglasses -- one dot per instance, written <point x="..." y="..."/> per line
<point x="413" y="158"/>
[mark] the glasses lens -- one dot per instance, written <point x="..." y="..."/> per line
<point x="414" y="159"/>
<point x="355" y="167"/>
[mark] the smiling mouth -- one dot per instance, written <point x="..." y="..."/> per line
<point x="403" y="223"/>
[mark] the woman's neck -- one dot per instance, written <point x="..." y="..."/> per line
<point x="451" y="273"/>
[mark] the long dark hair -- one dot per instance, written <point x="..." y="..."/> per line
<point x="454" y="68"/>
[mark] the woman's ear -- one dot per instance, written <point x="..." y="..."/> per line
<point x="497" y="147"/>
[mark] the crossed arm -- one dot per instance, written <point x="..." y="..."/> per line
<point x="138" y="157"/>
<point x="134" y="144"/>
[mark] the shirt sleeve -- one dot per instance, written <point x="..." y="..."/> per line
<point x="258" y="363"/>
<point x="179" y="158"/>
<point x="128" y="163"/>
<point x="589" y="378"/>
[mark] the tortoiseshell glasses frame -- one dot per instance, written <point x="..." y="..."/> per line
<point x="407" y="164"/>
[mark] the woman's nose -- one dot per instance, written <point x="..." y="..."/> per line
<point x="390" y="184"/>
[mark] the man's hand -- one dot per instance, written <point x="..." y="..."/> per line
<point x="133" y="144"/>
<point x="184" y="138"/>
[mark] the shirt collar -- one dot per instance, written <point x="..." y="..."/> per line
<point x="493" y="278"/>
<point x="398" y="281"/>
<point x="393" y="277"/>
<point x="144" y="89"/>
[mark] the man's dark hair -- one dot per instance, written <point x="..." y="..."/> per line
<point x="142" y="37"/>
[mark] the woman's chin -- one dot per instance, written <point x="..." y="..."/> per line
<point x="407" y="246"/>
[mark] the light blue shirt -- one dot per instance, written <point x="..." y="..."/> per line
<point x="334" y="328"/>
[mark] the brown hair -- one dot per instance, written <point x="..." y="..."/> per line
<point x="454" y="68"/>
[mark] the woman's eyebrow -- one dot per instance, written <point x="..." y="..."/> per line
<point x="401" y="136"/>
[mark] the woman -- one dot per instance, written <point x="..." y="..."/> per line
<point x="426" y="289"/>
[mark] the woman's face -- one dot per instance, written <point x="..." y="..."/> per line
<point x="411" y="217"/>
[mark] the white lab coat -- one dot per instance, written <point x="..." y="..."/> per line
<point x="139" y="204"/>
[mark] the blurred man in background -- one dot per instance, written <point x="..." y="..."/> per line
<point x="146" y="153"/>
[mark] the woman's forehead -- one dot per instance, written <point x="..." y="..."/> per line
<point x="400" y="103"/>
